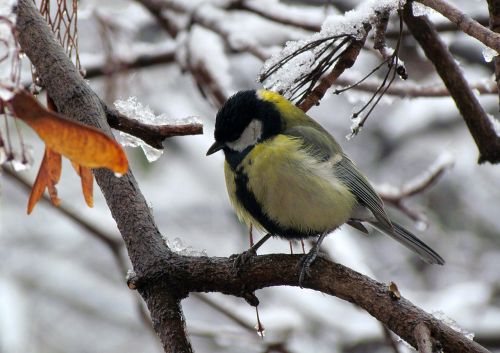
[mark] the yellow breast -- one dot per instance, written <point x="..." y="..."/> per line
<point x="293" y="189"/>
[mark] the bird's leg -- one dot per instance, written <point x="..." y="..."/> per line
<point x="309" y="258"/>
<point x="243" y="258"/>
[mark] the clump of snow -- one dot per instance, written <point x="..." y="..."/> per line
<point x="352" y="21"/>
<point x="496" y="124"/>
<point x="136" y="110"/>
<point x="179" y="247"/>
<point x="351" y="24"/>
<point x="489" y="54"/>
<point x="419" y="9"/>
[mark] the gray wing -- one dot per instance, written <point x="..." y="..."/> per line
<point x="322" y="145"/>
<point x="316" y="142"/>
<point x="349" y="174"/>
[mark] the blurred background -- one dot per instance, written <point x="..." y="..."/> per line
<point x="61" y="287"/>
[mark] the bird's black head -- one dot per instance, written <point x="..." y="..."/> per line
<point x="244" y="120"/>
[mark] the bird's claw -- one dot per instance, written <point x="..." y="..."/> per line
<point x="305" y="264"/>
<point x="241" y="260"/>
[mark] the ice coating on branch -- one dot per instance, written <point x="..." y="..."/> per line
<point x="133" y="109"/>
<point x="179" y="247"/>
<point x="489" y="54"/>
<point x="349" y="24"/>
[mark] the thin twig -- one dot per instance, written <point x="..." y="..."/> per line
<point x="410" y="89"/>
<point x="346" y="61"/>
<point x="153" y="135"/>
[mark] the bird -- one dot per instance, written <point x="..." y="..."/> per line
<point x="287" y="176"/>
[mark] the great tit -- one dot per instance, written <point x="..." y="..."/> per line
<point x="287" y="176"/>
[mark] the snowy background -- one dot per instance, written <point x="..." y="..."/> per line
<point x="62" y="291"/>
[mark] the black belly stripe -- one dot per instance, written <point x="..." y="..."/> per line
<point x="250" y="203"/>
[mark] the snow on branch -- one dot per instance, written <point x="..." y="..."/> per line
<point x="301" y="70"/>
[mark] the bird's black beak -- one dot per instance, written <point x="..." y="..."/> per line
<point x="217" y="146"/>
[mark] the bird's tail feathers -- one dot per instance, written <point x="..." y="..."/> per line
<point x="406" y="238"/>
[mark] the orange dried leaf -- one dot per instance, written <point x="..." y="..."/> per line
<point x="87" y="185"/>
<point x="47" y="177"/>
<point x="87" y="179"/>
<point x="80" y="143"/>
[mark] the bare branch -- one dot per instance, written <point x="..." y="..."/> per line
<point x="153" y="135"/>
<point x="480" y="127"/>
<point x="215" y="274"/>
<point x="466" y="23"/>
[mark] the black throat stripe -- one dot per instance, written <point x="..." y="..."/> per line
<point x="250" y="203"/>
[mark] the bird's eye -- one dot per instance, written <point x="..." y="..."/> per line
<point x="249" y="137"/>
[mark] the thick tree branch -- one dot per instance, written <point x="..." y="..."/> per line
<point x="74" y="98"/>
<point x="466" y="23"/>
<point x="214" y="274"/>
<point x="473" y="113"/>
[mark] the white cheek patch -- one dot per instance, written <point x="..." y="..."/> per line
<point x="249" y="136"/>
